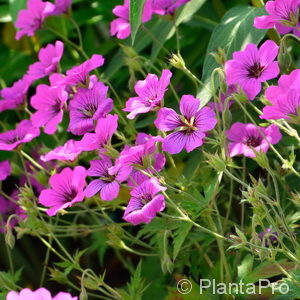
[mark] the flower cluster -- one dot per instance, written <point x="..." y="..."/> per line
<point x="120" y="27"/>
<point x="31" y="19"/>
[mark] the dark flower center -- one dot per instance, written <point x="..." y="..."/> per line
<point x="145" y="198"/>
<point x="255" y="71"/>
<point x="69" y="196"/>
<point x="89" y="110"/>
<point x="13" y="140"/>
<point x="188" y="125"/>
<point x="252" y="141"/>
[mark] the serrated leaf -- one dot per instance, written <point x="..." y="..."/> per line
<point x="135" y="16"/>
<point x="234" y="32"/>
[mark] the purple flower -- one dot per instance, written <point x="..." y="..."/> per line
<point x="268" y="236"/>
<point x="244" y="138"/>
<point x="49" y="58"/>
<point x="143" y="156"/>
<point x="15" y="95"/>
<point x="121" y="26"/>
<point x="8" y="208"/>
<point x="145" y="202"/>
<point x="79" y="75"/>
<point x="5" y="169"/>
<point x="61" y="7"/>
<point x="108" y="183"/>
<point x="68" y="152"/>
<point x="49" y="103"/>
<point x="87" y="106"/>
<point x="284" y="97"/>
<point x="164" y="7"/>
<point x="66" y="189"/>
<point x="31" y="19"/>
<point x="284" y="107"/>
<point x="24" y="132"/>
<point x="252" y="66"/>
<point x="104" y="130"/>
<point x="283" y="15"/>
<point x="150" y="93"/>
<point x="41" y="293"/>
<point x="189" y="128"/>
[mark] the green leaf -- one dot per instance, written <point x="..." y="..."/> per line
<point x="180" y="236"/>
<point x="15" y="6"/>
<point x="135" y="16"/>
<point x="234" y="32"/>
<point x="246" y="266"/>
<point x="4" y="14"/>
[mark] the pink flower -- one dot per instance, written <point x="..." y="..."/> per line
<point x="104" y="130"/>
<point x="68" y="152"/>
<point x="150" y="93"/>
<point x="121" y="26"/>
<point x="145" y="202"/>
<point x="91" y="141"/>
<point x="15" y="95"/>
<point x="49" y="103"/>
<point x="189" y="128"/>
<point x="164" y="7"/>
<point x="143" y="156"/>
<point x="49" y="58"/>
<point x="108" y="184"/>
<point x="283" y="107"/>
<point x="284" y="97"/>
<point x="66" y="189"/>
<point x="39" y="294"/>
<point x="252" y="66"/>
<point x="283" y="15"/>
<point x="79" y="75"/>
<point x="244" y="138"/>
<point x="24" y="133"/>
<point x="61" y="7"/>
<point x="31" y="19"/>
<point x="5" y="169"/>
<point x="87" y="106"/>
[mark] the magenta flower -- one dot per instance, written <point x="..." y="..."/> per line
<point x="8" y="208"/>
<point x="68" y="152"/>
<point x="5" y="169"/>
<point x="61" y="7"/>
<point x="150" y="93"/>
<point x="79" y="75"/>
<point x="284" y="97"/>
<point x="252" y="66"/>
<point x="189" y="128"/>
<point x="108" y="183"/>
<point x="284" y="107"/>
<point x="31" y="19"/>
<point x="145" y="202"/>
<point x="49" y="58"/>
<point x="244" y="138"/>
<point x="15" y="95"/>
<point x="87" y="106"/>
<point x="164" y="7"/>
<point x="39" y="294"/>
<point x="66" y="189"/>
<point x="283" y="15"/>
<point x="121" y="26"/>
<point x="104" y="130"/>
<point x="24" y="133"/>
<point x="49" y="103"/>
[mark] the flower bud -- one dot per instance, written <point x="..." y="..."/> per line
<point x="177" y="61"/>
